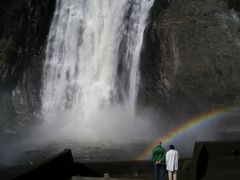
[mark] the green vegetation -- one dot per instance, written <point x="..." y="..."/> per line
<point x="234" y="4"/>
<point x="11" y="35"/>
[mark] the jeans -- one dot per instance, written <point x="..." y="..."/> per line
<point x="159" y="171"/>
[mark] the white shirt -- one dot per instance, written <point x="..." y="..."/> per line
<point x="172" y="160"/>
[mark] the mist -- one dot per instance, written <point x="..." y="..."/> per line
<point x="110" y="135"/>
<point x="113" y="125"/>
<point x="90" y="87"/>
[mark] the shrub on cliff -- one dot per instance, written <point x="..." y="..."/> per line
<point x="234" y="4"/>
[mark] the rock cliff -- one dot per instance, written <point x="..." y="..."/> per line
<point x="190" y="59"/>
<point x="23" y="30"/>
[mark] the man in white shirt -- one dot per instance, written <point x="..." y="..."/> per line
<point x="172" y="163"/>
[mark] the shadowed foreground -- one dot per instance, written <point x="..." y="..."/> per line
<point x="211" y="160"/>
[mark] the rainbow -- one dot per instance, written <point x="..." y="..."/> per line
<point x="190" y="124"/>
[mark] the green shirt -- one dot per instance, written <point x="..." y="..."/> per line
<point x="158" y="154"/>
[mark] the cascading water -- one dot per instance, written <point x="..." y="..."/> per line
<point x="92" y="62"/>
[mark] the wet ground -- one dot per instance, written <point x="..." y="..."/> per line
<point x="18" y="158"/>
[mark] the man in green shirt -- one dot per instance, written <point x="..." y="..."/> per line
<point x="158" y="157"/>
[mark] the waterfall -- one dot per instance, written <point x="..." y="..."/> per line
<point x="92" y="58"/>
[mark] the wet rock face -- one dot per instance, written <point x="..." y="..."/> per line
<point x="190" y="60"/>
<point x="24" y="27"/>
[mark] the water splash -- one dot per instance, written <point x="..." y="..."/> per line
<point x="92" y="60"/>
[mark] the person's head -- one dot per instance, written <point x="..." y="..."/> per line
<point x="171" y="146"/>
<point x="158" y="142"/>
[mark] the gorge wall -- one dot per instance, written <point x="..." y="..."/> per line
<point x="189" y="61"/>
<point x="23" y="30"/>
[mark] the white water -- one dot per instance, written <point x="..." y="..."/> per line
<point x="91" y="68"/>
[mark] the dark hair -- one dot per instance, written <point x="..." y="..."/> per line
<point x="171" y="146"/>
